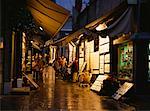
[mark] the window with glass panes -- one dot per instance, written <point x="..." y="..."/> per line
<point x="104" y="55"/>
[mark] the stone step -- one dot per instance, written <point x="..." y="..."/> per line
<point x="20" y="91"/>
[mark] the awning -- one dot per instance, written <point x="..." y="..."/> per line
<point x="108" y="17"/>
<point x="73" y="36"/>
<point x="141" y="36"/>
<point x="118" y="21"/>
<point x="36" y="46"/>
<point x="69" y="37"/>
<point x="49" y="15"/>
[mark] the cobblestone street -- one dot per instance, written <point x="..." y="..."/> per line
<point x="55" y="95"/>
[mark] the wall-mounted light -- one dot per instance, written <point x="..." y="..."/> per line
<point x="77" y="42"/>
<point x="31" y="41"/>
<point x="41" y="28"/>
<point x="80" y="36"/>
<point x="101" y="27"/>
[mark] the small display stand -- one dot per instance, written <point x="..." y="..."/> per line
<point x="98" y="83"/>
<point x="122" y="90"/>
<point x="31" y="80"/>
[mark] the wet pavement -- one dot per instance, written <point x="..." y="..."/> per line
<point x="59" y="95"/>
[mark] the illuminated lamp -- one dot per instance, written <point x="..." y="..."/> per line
<point x="31" y="41"/>
<point x="41" y="28"/>
<point x="101" y="27"/>
<point x="77" y="42"/>
<point x="81" y="35"/>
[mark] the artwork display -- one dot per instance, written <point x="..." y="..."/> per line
<point x="122" y="90"/>
<point x="98" y="83"/>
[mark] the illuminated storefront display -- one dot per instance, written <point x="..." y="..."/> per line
<point x="125" y="61"/>
<point x="104" y="52"/>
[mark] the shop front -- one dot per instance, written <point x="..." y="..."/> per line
<point x="132" y="61"/>
<point x="124" y="58"/>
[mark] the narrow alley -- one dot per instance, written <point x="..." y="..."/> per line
<point x="56" y="94"/>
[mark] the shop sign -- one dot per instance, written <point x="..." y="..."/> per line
<point x="122" y="39"/>
<point x="98" y="83"/>
<point x="122" y="90"/>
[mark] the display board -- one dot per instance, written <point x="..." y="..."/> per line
<point x="122" y="90"/>
<point x="31" y="80"/>
<point x="95" y="60"/>
<point x="98" y="83"/>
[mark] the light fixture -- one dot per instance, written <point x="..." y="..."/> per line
<point x="101" y="27"/>
<point x="41" y="28"/>
<point x="31" y="41"/>
<point x="80" y="36"/>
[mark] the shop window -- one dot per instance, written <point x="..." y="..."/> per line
<point x="104" y="50"/>
<point x="125" y="61"/>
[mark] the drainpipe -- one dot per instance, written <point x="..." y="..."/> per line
<point x="138" y="14"/>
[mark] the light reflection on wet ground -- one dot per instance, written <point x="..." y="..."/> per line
<point x="59" y="95"/>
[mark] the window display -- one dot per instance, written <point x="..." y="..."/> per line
<point x="125" y="61"/>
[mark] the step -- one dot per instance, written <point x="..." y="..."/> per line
<point x="20" y="91"/>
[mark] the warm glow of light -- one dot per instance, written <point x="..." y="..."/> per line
<point x="31" y="41"/>
<point x="41" y="28"/>
<point x="1" y="44"/>
<point x="80" y="36"/>
<point x="101" y="27"/>
<point x="103" y="40"/>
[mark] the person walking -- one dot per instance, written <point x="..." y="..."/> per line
<point x="74" y="70"/>
<point x="64" y="67"/>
